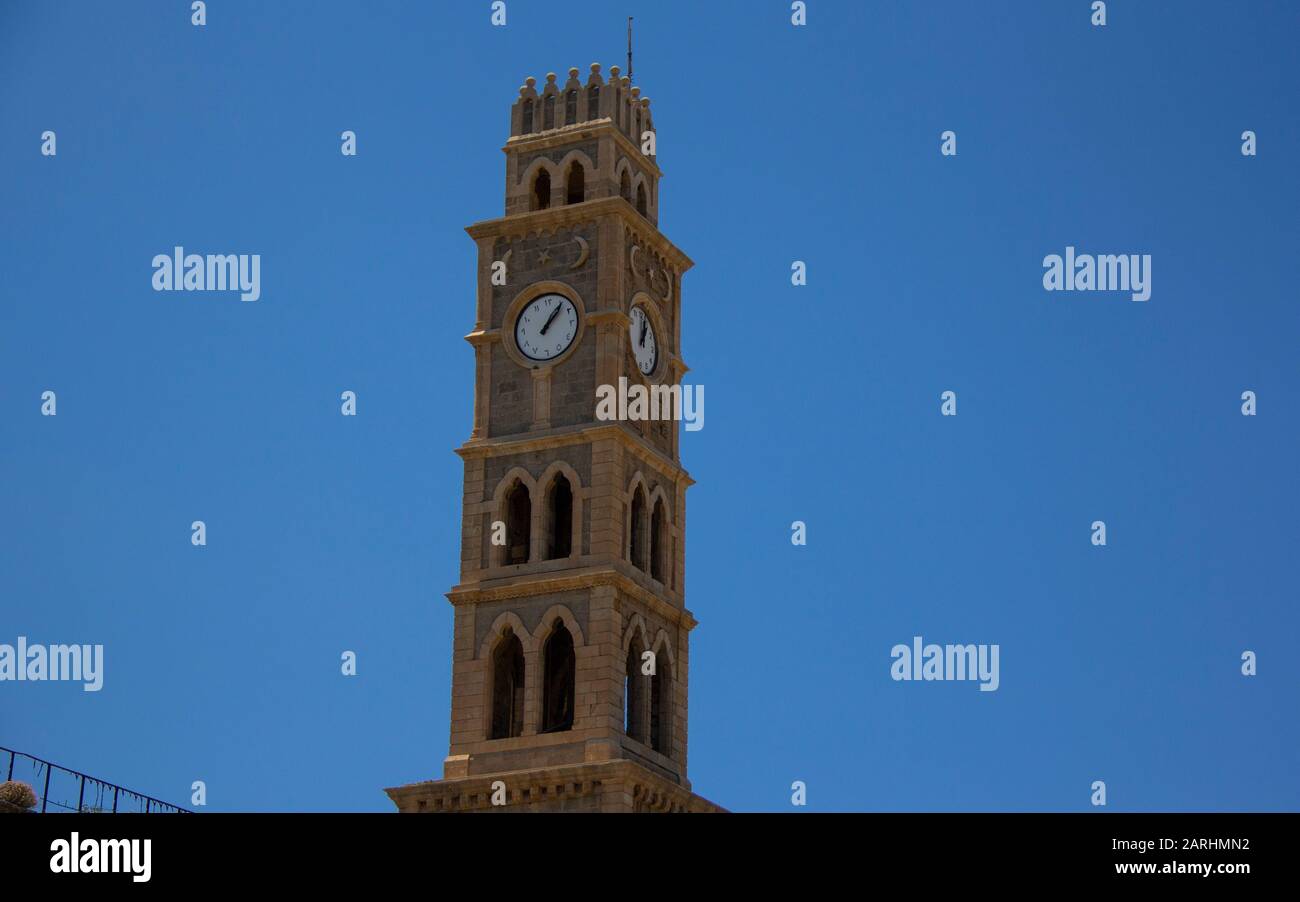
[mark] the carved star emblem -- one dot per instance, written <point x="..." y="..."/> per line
<point x="545" y="256"/>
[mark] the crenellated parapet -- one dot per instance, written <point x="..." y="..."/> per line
<point x="576" y="142"/>
<point x="574" y="103"/>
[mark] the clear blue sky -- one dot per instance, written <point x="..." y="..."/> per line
<point x="819" y="144"/>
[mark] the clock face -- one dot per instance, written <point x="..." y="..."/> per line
<point x="546" y="326"/>
<point x="644" y="347"/>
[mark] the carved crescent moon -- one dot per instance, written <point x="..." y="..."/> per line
<point x="631" y="258"/>
<point x="582" y="253"/>
<point x="668" y="285"/>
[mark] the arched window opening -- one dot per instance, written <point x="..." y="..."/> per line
<point x="657" y="527"/>
<point x="519" y="518"/>
<point x="576" y="189"/>
<point x="625" y="187"/>
<point x="507" y="687"/>
<point x="559" y="516"/>
<point x="542" y="190"/>
<point x="661" y="705"/>
<point x="571" y="107"/>
<point x="528" y="116"/>
<point x="593" y="101"/>
<point x="636" y="534"/>
<point x="548" y="112"/>
<point x="634" y="693"/>
<point x="640" y="200"/>
<point x="560" y="668"/>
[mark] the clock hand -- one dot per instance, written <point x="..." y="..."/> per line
<point x="550" y="319"/>
<point x="645" y="324"/>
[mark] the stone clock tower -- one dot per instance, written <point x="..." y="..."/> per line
<point x="570" y="656"/>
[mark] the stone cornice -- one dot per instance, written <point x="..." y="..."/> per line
<point x="565" y="135"/>
<point x="569" y="215"/>
<point x="567" y="435"/>
<point x="526" y="585"/>
<point x="650" y="791"/>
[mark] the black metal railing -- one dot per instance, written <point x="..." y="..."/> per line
<point x="61" y="789"/>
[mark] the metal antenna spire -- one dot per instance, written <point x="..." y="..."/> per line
<point x="629" y="47"/>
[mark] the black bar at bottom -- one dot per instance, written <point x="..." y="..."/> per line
<point x="1216" y="851"/>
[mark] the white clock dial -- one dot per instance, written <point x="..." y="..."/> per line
<point x="546" y="326"/>
<point x="644" y="347"/>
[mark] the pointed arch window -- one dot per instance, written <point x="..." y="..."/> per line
<point x="576" y="185"/>
<point x="528" y="116"/>
<point x="634" y="685"/>
<point x="593" y="101"/>
<point x="636" y="532"/>
<point x="661" y="704"/>
<point x="519" y="519"/>
<point x="640" y="200"/>
<point x="571" y="107"/>
<point x="625" y="187"/>
<point x="541" y="190"/>
<point x="559" y="673"/>
<point x="548" y="112"/>
<point x="658" y="528"/>
<point x="507" y="687"/>
<point x="559" y="518"/>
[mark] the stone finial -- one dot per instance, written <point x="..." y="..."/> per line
<point x="635" y="92"/>
<point x="550" y="78"/>
<point x="613" y="74"/>
<point x="573" y="72"/>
